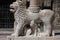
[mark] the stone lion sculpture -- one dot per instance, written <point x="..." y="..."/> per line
<point x="23" y="16"/>
<point x="14" y="8"/>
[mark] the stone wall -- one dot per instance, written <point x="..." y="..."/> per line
<point x="56" y="8"/>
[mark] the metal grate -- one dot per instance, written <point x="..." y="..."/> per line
<point x="6" y="17"/>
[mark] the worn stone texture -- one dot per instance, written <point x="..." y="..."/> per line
<point x="34" y="38"/>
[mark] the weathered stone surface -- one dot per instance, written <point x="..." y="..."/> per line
<point x="34" y="38"/>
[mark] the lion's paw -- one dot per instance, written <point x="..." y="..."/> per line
<point x="14" y="35"/>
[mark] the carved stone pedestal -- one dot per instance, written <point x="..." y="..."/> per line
<point x="33" y="38"/>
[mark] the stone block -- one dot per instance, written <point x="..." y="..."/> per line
<point x="33" y="38"/>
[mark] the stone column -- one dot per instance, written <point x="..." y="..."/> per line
<point x="34" y="6"/>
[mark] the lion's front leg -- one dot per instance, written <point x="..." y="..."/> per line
<point x="15" y="25"/>
<point x="19" y="28"/>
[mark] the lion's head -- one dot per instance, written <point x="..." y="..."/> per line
<point x="15" y="5"/>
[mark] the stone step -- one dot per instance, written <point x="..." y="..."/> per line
<point x="33" y="38"/>
<point x="6" y="31"/>
<point x="57" y="30"/>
